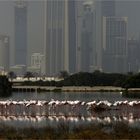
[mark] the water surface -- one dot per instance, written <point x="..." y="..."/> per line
<point x="132" y="118"/>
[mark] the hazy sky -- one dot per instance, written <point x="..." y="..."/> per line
<point x="129" y="8"/>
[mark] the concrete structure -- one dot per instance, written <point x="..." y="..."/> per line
<point x="20" y="32"/>
<point x="104" y="8"/>
<point x="108" y="8"/>
<point x="115" y="44"/>
<point x="4" y="53"/>
<point x="72" y="35"/>
<point x="79" y="19"/>
<point x="37" y="62"/>
<point x="133" y="60"/>
<point x="57" y="37"/>
<point x="88" y="38"/>
<point x="86" y="59"/>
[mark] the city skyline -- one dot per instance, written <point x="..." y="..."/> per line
<point x="71" y="54"/>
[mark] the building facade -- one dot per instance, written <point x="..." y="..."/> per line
<point x="86" y="55"/>
<point x="104" y="8"/>
<point x="37" y="62"/>
<point x="57" y="36"/>
<point x="88" y="38"/>
<point x="133" y="60"/>
<point x="20" y="33"/>
<point x="108" y="8"/>
<point x="115" y="44"/>
<point x="72" y="35"/>
<point x="4" y="53"/>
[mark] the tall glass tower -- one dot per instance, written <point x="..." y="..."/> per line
<point x="88" y="38"/>
<point x="115" y="44"/>
<point x="72" y="35"/>
<point x="104" y="8"/>
<point x="108" y="8"/>
<point x="20" y="33"/>
<point x="57" y="36"/>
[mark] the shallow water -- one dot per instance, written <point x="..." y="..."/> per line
<point x="131" y="117"/>
<point x="82" y="96"/>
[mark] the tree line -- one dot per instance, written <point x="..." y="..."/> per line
<point x="96" y="78"/>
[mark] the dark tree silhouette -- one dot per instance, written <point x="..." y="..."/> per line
<point x="11" y="75"/>
<point x="28" y="75"/>
<point x="63" y="74"/>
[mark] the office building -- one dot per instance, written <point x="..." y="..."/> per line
<point x="4" y="53"/>
<point x="104" y="8"/>
<point x="79" y="21"/>
<point x="88" y="38"/>
<point x="108" y="8"/>
<point x="72" y="35"/>
<point x="20" y="32"/>
<point x="115" y="44"/>
<point x="37" y="62"/>
<point x="86" y="55"/>
<point x="133" y="55"/>
<point x="57" y="37"/>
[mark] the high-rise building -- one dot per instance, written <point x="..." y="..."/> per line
<point x="72" y="35"/>
<point x="115" y="44"/>
<point x="86" y="57"/>
<point x="108" y="8"/>
<point x="20" y="32"/>
<point x="4" y="53"/>
<point x="133" y="55"/>
<point x="104" y="8"/>
<point x="88" y="38"/>
<point x="79" y="20"/>
<point x="57" y="37"/>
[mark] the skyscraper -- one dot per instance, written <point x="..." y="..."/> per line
<point x="115" y="44"/>
<point x="88" y="38"/>
<point x="79" y="20"/>
<point x="104" y="8"/>
<point x="85" y="36"/>
<point x="108" y="8"/>
<point x="133" y="55"/>
<point x="20" y="32"/>
<point x="72" y="35"/>
<point x="57" y="36"/>
<point x="4" y="52"/>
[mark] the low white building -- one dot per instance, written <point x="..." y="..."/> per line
<point x="37" y="63"/>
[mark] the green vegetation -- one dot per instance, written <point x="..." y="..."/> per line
<point x="64" y="131"/>
<point x="91" y="79"/>
<point x="63" y="74"/>
<point x="5" y="87"/>
<point x="94" y="79"/>
<point x="28" y="75"/>
<point x="11" y="75"/>
<point x="132" y="81"/>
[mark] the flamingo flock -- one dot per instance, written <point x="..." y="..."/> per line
<point x="55" y="107"/>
